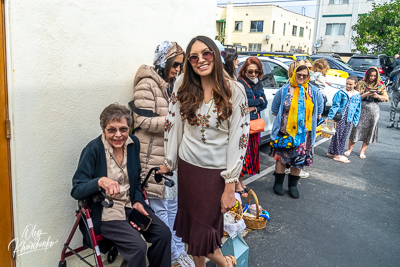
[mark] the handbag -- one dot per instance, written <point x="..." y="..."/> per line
<point x="283" y="141"/>
<point x="257" y="125"/>
<point x="339" y="115"/>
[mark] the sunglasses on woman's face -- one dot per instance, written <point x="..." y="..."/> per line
<point x="207" y="55"/>
<point x="250" y="72"/>
<point x="301" y="76"/>
<point x="177" y="64"/>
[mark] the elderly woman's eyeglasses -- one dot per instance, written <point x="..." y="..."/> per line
<point x="250" y="72"/>
<point x="122" y="130"/>
<point x="301" y="76"/>
<point x="207" y="55"/>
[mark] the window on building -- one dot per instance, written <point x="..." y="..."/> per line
<point x="284" y="28"/>
<point x="238" y="26"/>
<point x="254" y="47"/>
<point x="301" y="34"/>
<point x="256" y="26"/>
<point x="294" y="31"/>
<point x="338" y="2"/>
<point x="237" y="44"/>
<point x="335" y="28"/>
<point x="309" y="36"/>
<point x="273" y="27"/>
<point x="282" y="48"/>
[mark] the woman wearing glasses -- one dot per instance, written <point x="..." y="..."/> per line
<point x="206" y="136"/>
<point x="153" y="87"/>
<point x="297" y="106"/>
<point x="249" y="75"/>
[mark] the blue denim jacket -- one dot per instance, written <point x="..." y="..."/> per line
<point x="339" y="102"/>
<point x="253" y="97"/>
<point x="277" y="108"/>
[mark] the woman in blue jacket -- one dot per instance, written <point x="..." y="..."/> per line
<point x="348" y="103"/>
<point x="297" y="106"/>
<point x="250" y="75"/>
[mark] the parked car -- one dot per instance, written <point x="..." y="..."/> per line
<point x="294" y="56"/>
<point x="338" y="64"/>
<point x="364" y="62"/>
<point x="275" y="76"/>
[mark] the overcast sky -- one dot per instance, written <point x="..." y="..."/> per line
<point x="295" y="6"/>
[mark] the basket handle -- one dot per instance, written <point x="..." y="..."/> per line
<point x="251" y="192"/>
<point x="334" y="123"/>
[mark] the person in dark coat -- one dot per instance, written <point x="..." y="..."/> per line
<point x="250" y="76"/>
<point x="111" y="163"/>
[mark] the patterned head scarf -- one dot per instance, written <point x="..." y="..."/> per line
<point x="164" y="51"/>
<point x="300" y="112"/>
<point x="377" y="85"/>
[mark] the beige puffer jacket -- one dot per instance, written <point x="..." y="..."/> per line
<point x="149" y="93"/>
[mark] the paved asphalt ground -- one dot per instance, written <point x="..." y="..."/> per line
<point x="347" y="214"/>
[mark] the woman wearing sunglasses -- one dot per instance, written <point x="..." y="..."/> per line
<point x="206" y="136"/>
<point x="249" y="76"/>
<point x="297" y="106"/>
<point x="153" y="87"/>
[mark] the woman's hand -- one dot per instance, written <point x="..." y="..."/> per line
<point x="111" y="186"/>
<point x="163" y="169"/>
<point x="375" y="95"/>
<point x="139" y="207"/>
<point x="251" y="109"/>
<point x="228" y="199"/>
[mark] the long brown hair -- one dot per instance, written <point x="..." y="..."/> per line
<point x="191" y="95"/>
<point x="251" y="60"/>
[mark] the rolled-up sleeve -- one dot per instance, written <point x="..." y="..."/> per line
<point x="238" y="135"/>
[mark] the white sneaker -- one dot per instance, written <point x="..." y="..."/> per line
<point x="304" y="174"/>
<point x="287" y="170"/>
<point x="184" y="260"/>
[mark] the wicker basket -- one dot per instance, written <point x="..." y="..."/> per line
<point x="254" y="222"/>
<point x="238" y="212"/>
<point x="328" y="129"/>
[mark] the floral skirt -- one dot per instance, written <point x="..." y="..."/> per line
<point x="295" y="158"/>
<point x="251" y="162"/>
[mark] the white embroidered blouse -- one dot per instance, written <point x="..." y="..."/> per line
<point x="209" y="144"/>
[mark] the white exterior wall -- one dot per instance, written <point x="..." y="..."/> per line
<point x="268" y="14"/>
<point x="335" y="15"/>
<point x="67" y="60"/>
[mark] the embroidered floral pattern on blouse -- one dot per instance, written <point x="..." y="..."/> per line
<point x="243" y="109"/>
<point x="243" y="142"/>
<point x="173" y="99"/>
<point x="167" y="126"/>
<point x="203" y="121"/>
<point x="171" y="113"/>
<point x="245" y="124"/>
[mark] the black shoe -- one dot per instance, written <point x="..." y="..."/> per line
<point x="292" y="184"/>
<point x="391" y="125"/>
<point x="278" y="185"/>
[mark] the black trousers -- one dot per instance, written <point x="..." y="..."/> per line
<point x="133" y="248"/>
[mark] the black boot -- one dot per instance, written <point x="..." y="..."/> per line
<point x="278" y="185"/>
<point x="292" y="184"/>
<point x="390" y="125"/>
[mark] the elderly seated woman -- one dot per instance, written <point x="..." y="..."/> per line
<point x="111" y="162"/>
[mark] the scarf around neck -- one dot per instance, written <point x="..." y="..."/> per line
<point x="255" y="80"/>
<point x="300" y="112"/>
<point x="378" y="85"/>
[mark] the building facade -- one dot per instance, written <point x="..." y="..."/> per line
<point x="264" y="28"/>
<point x="63" y="62"/>
<point x="334" y="19"/>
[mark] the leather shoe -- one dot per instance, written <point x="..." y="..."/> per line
<point x="391" y="125"/>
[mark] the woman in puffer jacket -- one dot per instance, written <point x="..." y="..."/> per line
<point x="152" y="88"/>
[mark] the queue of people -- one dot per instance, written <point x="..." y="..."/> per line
<point x="191" y="118"/>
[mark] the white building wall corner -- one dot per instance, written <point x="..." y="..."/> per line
<point x="66" y="61"/>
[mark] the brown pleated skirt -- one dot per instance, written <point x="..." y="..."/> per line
<point x="199" y="221"/>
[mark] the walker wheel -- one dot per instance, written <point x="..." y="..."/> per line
<point x="112" y="254"/>
<point x="62" y="264"/>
